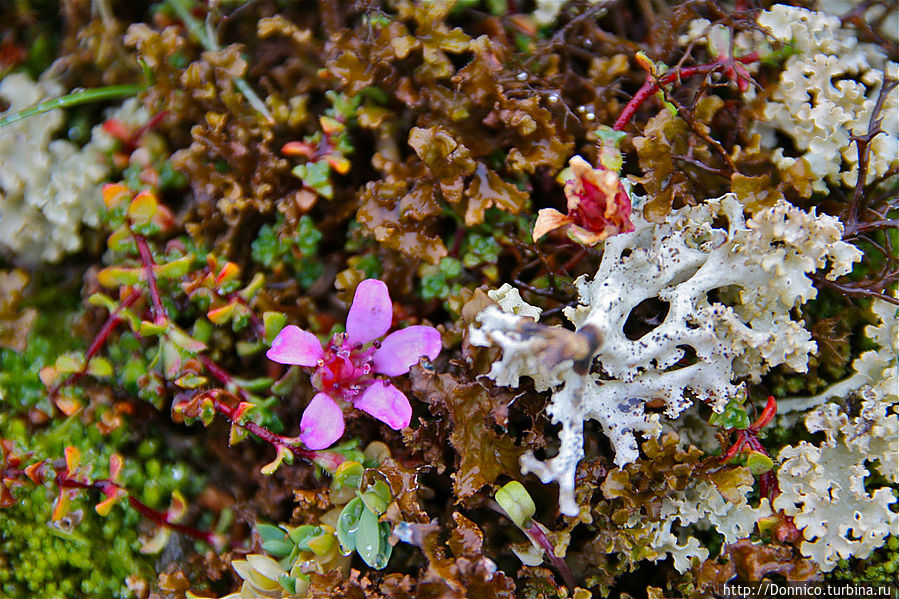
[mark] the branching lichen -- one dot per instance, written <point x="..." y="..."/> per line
<point x="729" y="294"/>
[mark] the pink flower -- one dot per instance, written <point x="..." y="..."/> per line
<point x="598" y="206"/>
<point x="345" y="367"/>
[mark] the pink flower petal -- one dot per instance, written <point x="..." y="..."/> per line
<point x="371" y="313"/>
<point x="386" y="403"/>
<point x="401" y="349"/>
<point x="322" y="423"/>
<point x="293" y="345"/>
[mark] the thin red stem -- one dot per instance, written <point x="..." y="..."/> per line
<point x="146" y="258"/>
<point x="328" y="459"/>
<point x="536" y="533"/>
<point x="108" y="487"/>
<point x="162" y="519"/>
<point x="652" y="85"/>
<point x="99" y="341"/>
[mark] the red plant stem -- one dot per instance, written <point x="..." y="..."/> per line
<point x="652" y="84"/>
<point x="111" y="322"/>
<point x="535" y="532"/>
<point x="108" y="487"/>
<point x="139" y="132"/>
<point x="223" y="377"/>
<point x="328" y="459"/>
<point x="162" y="519"/>
<point x="748" y="437"/>
<point x="146" y="258"/>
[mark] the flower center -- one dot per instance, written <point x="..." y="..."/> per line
<point x="344" y="369"/>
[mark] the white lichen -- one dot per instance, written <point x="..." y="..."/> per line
<point x="824" y="489"/>
<point x="729" y="291"/>
<point x="826" y="95"/>
<point x="699" y="507"/>
<point x="511" y="302"/>
<point x="49" y="187"/>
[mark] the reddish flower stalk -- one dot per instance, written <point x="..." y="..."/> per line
<point x="35" y="473"/>
<point x="748" y="438"/>
<point x="538" y="535"/>
<point x="108" y="487"/>
<point x="327" y="459"/>
<point x="653" y="84"/>
<point x="99" y="341"/>
<point x="146" y="258"/>
<point x="768" y="485"/>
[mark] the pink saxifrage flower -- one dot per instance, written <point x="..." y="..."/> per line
<point x="345" y="367"/>
<point x="598" y="206"/>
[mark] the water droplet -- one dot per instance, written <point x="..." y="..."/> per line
<point x="522" y="76"/>
<point x="553" y="98"/>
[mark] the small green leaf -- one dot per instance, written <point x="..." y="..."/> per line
<point x="301" y="534"/>
<point x="99" y="367"/>
<point x="284" y="455"/>
<point x="316" y="175"/>
<point x="267" y="532"/>
<point x="368" y="537"/>
<point x="734" y="415"/>
<point x="517" y="503"/>
<point x="348" y="474"/>
<point x="175" y="269"/>
<point x="348" y="525"/>
<point x="69" y="363"/>
<point x="759" y="463"/>
<point x="101" y="299"/>
<point x="273" y="322"/>
<point x="288" y="583"/>
<point x="377" y="497"/>
<point x="277" y="549"/>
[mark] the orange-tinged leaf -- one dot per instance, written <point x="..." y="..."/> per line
<point x="118" y="238"/>
<point x="73" y="459"/>
<point x="339" y="163"/>
<point x="60" y="506"/>
<point x="67" y="405"/>
<point x="142" y="207"/>
<point x="33" y="472"/>
<point x="48" y="375"/>
<point x="113" y="276"/>
<point x="103" y="508"/>
<point x="241" y="410"/>
<point x="115" y="466"/>
<point x="548" y="219"/>
<point x="178" y="507"/>
<point x="114" y="193"/>
<point x="298" y="148"/>
<point x="221" y="315"/>
<point x="229" y="272"/>
<point x="163" y="217"/>
<point x="330" y="125"/>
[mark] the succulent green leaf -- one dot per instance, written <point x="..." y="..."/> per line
<point x="348" y="525"/>
<point x="517" y="503"/>
<point x="368" y="537"/>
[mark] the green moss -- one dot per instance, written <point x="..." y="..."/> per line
<point x="277" y="245"/>
<point x="880" y="567"/>
<point x="83" y="555"/>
